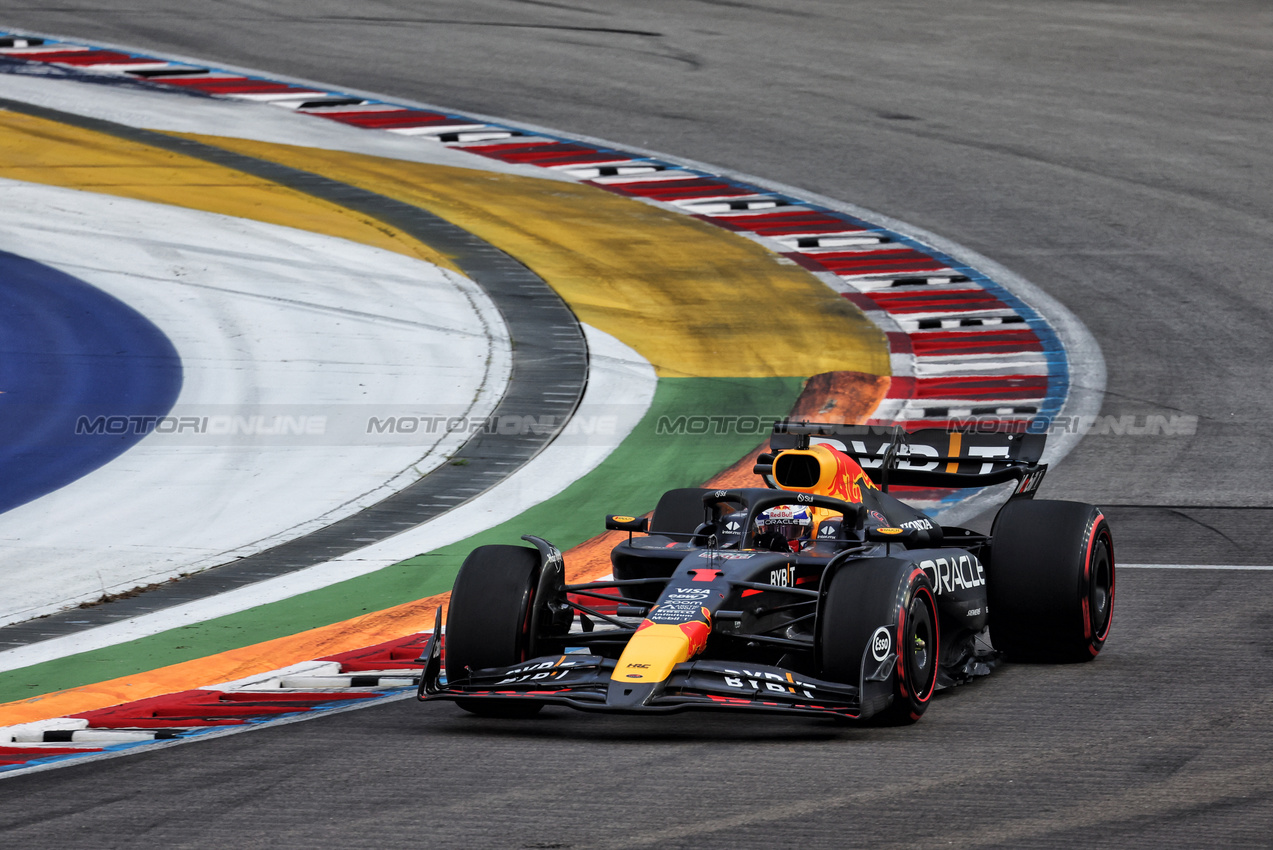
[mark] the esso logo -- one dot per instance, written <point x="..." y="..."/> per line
<point x="881" y="643"/>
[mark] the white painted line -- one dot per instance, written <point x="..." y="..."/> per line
<point x="651" y="177"/>
<point x="1194" y="567"/>
<point x="1026" y="363"/>
<point x="35" y="730"/>
<point x="270" y="679"/>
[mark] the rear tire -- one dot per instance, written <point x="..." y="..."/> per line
<point x="1050" y="580"/>
<point x="488" y="622"/>
<point x="863" y="598"/>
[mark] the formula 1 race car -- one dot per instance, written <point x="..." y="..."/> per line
<point x="819" y="593"/>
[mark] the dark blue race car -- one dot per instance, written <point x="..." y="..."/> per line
<point x="816" y="591"/>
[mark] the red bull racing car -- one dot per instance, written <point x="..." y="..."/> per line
<point x="814" y="592"/>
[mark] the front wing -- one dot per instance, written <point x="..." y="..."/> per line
<point x="585" y="682"/>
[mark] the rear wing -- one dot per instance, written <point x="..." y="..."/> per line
<point x="926" y="458"/>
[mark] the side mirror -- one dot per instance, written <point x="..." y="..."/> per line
<point x="892" y="535"/>
<point x="764" y="464"/>
<point x="627" y="523"/>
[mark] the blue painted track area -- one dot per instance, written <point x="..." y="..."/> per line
<point x="72" y="354"/>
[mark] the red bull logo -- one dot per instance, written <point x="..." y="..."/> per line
<point x="697" y="632"/>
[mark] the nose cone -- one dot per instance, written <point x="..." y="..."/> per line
<point x="654" y="650"/>
<point x="649" y="657"/>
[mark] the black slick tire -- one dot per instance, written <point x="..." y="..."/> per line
<point x="866" y="601"/>
<point x="488" y="622"/>
<point x="1050" y="579"/>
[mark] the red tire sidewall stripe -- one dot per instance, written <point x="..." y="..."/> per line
<point x="1092" y="535"/>
<point x="911" y="592"/>
<point x="932" y="610"/>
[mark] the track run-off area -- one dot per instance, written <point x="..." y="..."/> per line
<point x="1154" y="739"/>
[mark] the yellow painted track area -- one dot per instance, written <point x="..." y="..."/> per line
<point x="37" y="150"/>
<point x="694" y="300"/>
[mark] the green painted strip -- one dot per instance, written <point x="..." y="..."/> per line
<point x="630" y="481"/>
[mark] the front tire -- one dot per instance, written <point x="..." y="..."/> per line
<point x="864" y="602"/>
<point x="1050" y="581"/>
<point x="488" y="622"/>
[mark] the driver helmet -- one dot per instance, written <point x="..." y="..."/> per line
<point x="793" y="523"/>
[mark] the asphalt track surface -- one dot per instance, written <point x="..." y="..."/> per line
<point x="1115" y="155"/>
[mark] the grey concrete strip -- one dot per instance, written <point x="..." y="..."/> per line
<point x="550" y="371"/>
